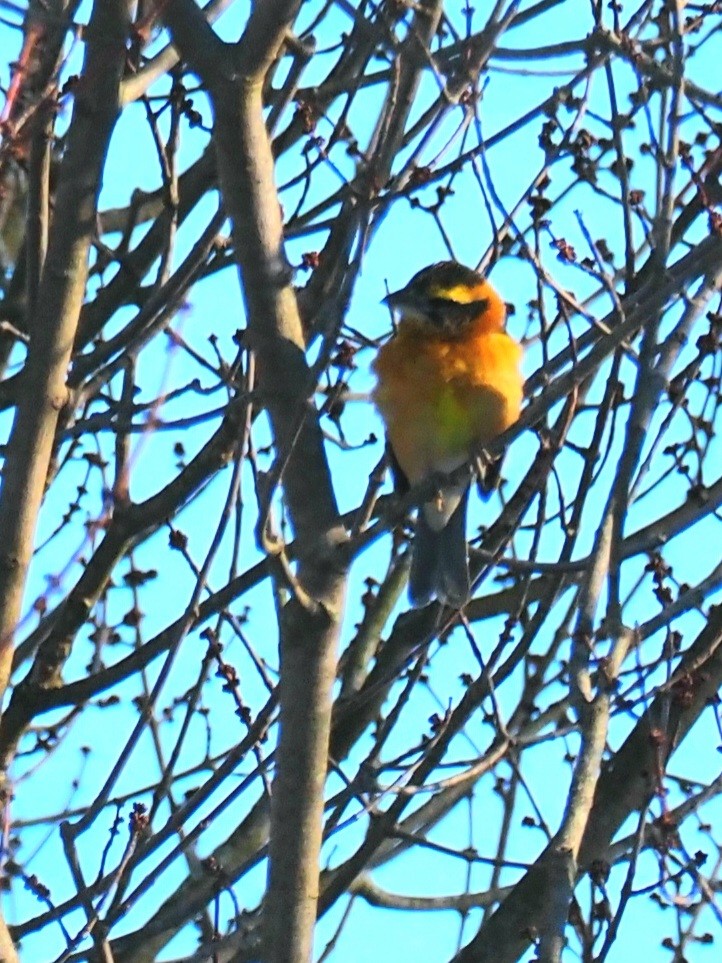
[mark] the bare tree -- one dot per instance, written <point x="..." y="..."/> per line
<point x="191" y="484"/>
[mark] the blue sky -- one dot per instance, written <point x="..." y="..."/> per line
<point x="405" y="241"/>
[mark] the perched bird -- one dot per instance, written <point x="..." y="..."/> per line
<point x="448" y="382"/>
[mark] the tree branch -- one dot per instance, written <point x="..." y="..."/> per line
<point x="309" y="632"/>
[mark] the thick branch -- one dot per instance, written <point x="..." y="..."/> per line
<point x="58" y="308"/>
<point x="309" y="628"/>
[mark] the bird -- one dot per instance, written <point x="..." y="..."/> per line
<point x="448" y="382"/>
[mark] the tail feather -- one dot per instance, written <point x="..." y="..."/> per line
<point x="439" y="560"/>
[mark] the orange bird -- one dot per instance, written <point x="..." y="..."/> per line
<point x="449" y="382"/>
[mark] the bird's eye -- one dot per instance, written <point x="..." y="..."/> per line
<point x="448" y="311"/>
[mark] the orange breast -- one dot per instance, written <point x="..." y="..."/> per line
<point x="442" y="397"/>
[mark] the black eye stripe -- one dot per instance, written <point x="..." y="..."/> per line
<point x="447" y="311"/>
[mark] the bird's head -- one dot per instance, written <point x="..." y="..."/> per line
<point x="448" y="295"/>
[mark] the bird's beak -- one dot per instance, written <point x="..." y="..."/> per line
<point x="396" y="300"/>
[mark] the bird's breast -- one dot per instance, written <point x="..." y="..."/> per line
<point x="441" y="397"/>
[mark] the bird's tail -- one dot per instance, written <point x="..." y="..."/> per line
<point x="439" y="560"/>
